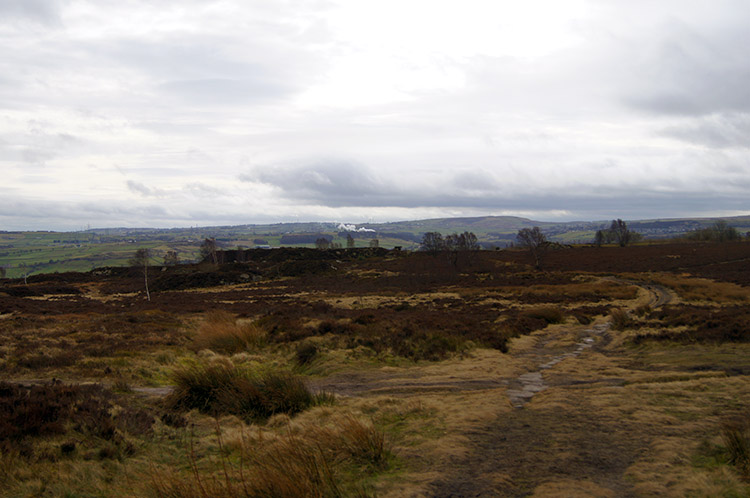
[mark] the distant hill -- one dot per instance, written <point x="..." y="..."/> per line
<point x="24" y="253"/>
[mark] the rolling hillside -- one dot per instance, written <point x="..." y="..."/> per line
<point x="23" y="253"/>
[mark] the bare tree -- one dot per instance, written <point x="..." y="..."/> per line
<point x="349" y="241"/>
<point x="208" y="250"/>
<point x="374" y="243"/>
<point x="432" y="242"/>
<point x="620" y="232"/>
<point x="171" y="258"/>
<point x="2" y="272"/>
<point x="141" y="260"/>
<point x="322" y="243"/>
<point x="465" y="243"/>
<point x="534" y="240"/>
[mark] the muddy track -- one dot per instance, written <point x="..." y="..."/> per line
<point x="521" y="450"/>
<point x="660" y="295"/>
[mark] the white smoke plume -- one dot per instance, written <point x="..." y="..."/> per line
<point x="353" y="228"/>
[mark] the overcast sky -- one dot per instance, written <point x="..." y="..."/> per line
<point x="199" y="112"/>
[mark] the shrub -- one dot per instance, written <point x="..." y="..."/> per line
<point x="620" y="319"/>
<point x="550" y="314"/>
<point x="227" y="389"/>
<point x="29" y="412"/>
<point x="221" y="333"/>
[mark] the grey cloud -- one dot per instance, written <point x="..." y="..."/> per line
<point x="219" y="91"/>
<point x="715" y="131"/>
<point x="203" y="190"/>
<point x="139" y="188"/>
<point x="333" y="181"/>
<point x="693" y="73"/>
<point x="46" y="12"/>
<point x="340" y="185"/>
<point x="22" y="214"/>
<point x="480" y="181"/>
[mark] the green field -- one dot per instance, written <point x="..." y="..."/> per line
<point x="27" y="253"/>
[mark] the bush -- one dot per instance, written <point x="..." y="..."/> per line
<point x="29" y="412"/>
<point x="221" y="333"/>
<point x="227" y="389"/>
<point x="550" y="314"/>
<point x="620" y="319"/>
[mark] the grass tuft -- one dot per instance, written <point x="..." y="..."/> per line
<point x="226" y="389"/>
<point x="306" y="353"/>
<point x="317" y="462"/>
<point x="736" y="436"/>
<point x="221" y="332"/>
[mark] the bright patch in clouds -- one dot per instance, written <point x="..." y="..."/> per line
<point x="194" y="113"/>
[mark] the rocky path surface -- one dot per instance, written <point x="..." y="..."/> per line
<point x="525" y="386"/>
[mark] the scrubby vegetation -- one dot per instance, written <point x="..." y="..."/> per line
<point x="213" y="388"/>
<point x="307" y="463"/>
<point x="223" y="388"/>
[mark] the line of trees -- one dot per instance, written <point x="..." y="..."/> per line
<point x="434" y="242"/>
<point x="617" y="233"/>
<point x="720" y="231"/>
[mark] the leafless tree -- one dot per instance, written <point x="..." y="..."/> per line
<point x="535" y="241"/>
<point x="374" y="243"/>
<point x="208" y="250"/>
<point x="432" y="242"/>
<point x="349" y="241"/>
<point x="171" y="258"/>
<point x="322" y="243"/>
<point x="141" y="259"/>
<point x="620" y="232"/>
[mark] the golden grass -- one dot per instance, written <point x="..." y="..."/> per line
<point x="703" y="291"/>
<point x="222" y="332"/>
<point x="311" y="460"/>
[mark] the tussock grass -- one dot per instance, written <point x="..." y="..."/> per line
<point x="220" y="388"/>
<point x="736" y="437"/>
<point x="306" y="352"/>
<point x="621" y="320"/>
<point x="222" y="333"/>
<point x="315" y="461"/>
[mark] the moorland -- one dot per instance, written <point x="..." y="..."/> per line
<point x="608" y="371"/>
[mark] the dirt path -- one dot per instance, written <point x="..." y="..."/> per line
<point x="570" y="447"/>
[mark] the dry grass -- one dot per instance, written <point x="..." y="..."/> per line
<point x="223" y="333"/>
<point x="702" y="290"/>
<point x="736" y="437"/>
<point x="313" y="461"/>
<point x="223" y="388"/>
